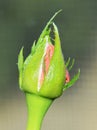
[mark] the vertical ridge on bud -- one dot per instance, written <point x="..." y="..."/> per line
<point x="45" y="62"/>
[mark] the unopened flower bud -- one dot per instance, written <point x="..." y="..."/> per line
<point x="43" y="72"/>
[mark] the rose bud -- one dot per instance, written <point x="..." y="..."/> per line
<point x="43" y="71"/>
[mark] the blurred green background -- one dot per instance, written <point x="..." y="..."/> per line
<point x="21" y="22"/>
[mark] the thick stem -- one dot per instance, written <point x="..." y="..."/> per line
<point x="37" y="108"/>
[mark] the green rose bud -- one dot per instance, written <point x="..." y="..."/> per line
<point x="43" y="71"/>
<point x="43" y="76"/>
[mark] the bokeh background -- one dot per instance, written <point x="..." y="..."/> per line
<point x="21" y="22"/>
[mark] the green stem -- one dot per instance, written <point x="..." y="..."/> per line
<point x="37" y="108"/>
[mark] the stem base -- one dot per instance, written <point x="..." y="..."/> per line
<point x="37" y="108"/>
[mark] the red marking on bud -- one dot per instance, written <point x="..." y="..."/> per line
<point x="67" y="76"/>
<point x="48" y="56"/>
<point x="46" y="62"/>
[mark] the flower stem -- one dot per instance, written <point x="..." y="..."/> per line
<point x="37" y="108"/>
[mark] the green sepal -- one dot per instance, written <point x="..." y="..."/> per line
<point x="20" y="66"/>
<point x="31" y="69"/>
<point x="54" y="80"/>
<point x="33" y="48"/>
<point x="46" y="30"/>
<point x="68" y="62"/>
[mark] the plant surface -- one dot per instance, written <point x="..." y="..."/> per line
<point x="44" y="75"/>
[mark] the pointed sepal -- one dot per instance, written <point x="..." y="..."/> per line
<point x="33" y="48"/>
<point x="20" y="66"/>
